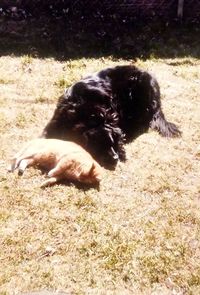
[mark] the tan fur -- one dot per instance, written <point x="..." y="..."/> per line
<point x="63" y="160"/>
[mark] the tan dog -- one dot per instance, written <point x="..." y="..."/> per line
<point x="63" y="160"/>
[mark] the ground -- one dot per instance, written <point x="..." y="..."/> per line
<point x="139" y="233"/>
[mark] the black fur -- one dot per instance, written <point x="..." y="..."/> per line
<point x="103" y="111"/>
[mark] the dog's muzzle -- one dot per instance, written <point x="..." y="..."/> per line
<point x="113" y="154"/>
<point x="112" y="158"/>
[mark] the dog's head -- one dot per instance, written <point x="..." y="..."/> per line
<point x="103" y="144"/>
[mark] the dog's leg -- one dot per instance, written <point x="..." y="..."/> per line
<point x="92" y="175"/>
<point x="61" y="171"/>
<point x="50" y="181"/>
<point x="65" y="172"/>
<point x="54" y="175"/>
<point x="55" y="172"/>
<point x="165" y="128"/>
<point x="21" y="163"/>
<point x="12" y="165"/>
<point x="24" y="164"/>
<point x="15" y="163"/>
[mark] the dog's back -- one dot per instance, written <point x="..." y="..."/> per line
<point x="107" y="109"/>
<point x="64" y="159"/>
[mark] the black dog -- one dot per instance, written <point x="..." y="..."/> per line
<point x="103" y="111"/>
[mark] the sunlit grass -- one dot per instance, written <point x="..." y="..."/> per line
<point x="137" y="234"/>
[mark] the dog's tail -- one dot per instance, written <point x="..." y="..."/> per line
<point x="165" y="128"/>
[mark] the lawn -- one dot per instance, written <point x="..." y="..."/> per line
<point x="140" y="232"/>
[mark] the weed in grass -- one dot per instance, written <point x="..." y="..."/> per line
<point x="21" y="120"/>
<point x="86" y="223"/>
<point x="67" y="80"/>
<point x="4" y="215"/>
<point x="6" y="81"/>
<point x="26" y="62"/>
<point x="194" y="279"/>
<point x="62" y="83"/>
<point x="117" y="255"/>
<point x="160" y="263"/>
<point x="40" y="99"/>
<point x="46" y="277"/>
<point x="76" y="63"/>
<point x="85" y="202"/>
<point x="4" y="124"/>
<point x="2" y="102"/>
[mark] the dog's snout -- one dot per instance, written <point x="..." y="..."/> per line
<point x="111" y="159"/>
<point x="113" y="154"/>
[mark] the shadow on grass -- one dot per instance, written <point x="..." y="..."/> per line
<point x="66" y="39"/>
<point x="67" y="182"/>
<point x="81" y="186"/>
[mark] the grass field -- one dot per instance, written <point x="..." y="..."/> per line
<point x="140" y="232"/>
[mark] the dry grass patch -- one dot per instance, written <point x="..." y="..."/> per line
<point x="139" y="234"/>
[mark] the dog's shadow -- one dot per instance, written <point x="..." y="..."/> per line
<point x="68" y="182"/>
<point x="78" y="185"/>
